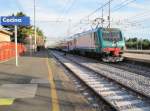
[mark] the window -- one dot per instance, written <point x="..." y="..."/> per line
<point x="112" y="36"/>
<point x="95" y="36"/>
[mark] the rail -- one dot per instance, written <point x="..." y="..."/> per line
<point x="138" y="51"/>
<point x="118" y="97"/>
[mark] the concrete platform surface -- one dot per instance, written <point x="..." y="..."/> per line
<point x="15" y="84"/>
<point x="138" y="51"/>
<point x="138" y="57"/>
<point x="38" y="84"/>
<point x="18" y="90"/>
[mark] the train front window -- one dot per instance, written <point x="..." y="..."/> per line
<point x="111" y="35"/>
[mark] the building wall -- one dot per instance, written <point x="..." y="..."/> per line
<point x="4" y="37"/>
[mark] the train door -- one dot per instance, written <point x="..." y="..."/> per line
<point x="97" y="42"/>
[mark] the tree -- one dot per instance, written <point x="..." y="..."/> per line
<point x="134" y="43"/>
<point x="24" y="31"/>
<point x="146" y="44"/>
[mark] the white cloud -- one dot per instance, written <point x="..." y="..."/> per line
<point x="45" y="14"/>
<point x="140" y="6"/>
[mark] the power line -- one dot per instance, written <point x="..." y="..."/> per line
<point x="102" y="6"/>
<point x="66" y="9"/>
<point x="71" y="6"/>
<point x="140" y="21"/>
<point x="123" y="4"/>
<point x="107" y="3"/>
<point x="138" y="16"/>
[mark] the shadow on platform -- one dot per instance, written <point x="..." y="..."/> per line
<point x="40" y="54"/>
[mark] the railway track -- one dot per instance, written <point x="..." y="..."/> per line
<point x="132" y="67"/>
<point x="136" y="82"/>
<point x="119" y="97"/>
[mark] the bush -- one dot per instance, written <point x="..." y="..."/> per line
<point x="132" y="43"/>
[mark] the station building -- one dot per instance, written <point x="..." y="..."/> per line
<point x="5" y="35"/>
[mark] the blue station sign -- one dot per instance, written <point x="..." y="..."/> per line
<point x="13" y="20"/>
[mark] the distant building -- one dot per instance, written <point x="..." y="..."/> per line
<point x="5" y="35"/>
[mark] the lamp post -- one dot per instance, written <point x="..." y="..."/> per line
<point x="141" y="43"/>
<point x="31" y="45"/>
<point x="109" y="14"/>
<point x="102" y="19"/>
<point x="16" y="45"/>
<point x="35" y="33"/>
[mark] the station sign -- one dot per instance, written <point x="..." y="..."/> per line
<point x="14" y="20"/>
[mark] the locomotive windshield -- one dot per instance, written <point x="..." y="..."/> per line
<point x="112" y="35"/>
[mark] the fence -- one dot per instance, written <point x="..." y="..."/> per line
<point x="7" y="50"/>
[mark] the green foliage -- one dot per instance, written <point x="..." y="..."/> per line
<point x="134" y="43"/>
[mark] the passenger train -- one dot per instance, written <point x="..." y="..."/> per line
<point x="105" y="43"/>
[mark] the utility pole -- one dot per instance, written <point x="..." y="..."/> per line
<point x="109" y="15"/>
<point x="68" y="32"/>
<point x="35" y="33"/>
<point x="31" y="45"/>
<point x="137" y="44"/>
<point x="16" y="45"/>
<point x="102" y="17"/>
<point x="141" y="44"/>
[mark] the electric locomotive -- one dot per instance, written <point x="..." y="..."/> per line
<point x="105" y="43"/>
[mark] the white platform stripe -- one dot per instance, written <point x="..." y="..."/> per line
<point x="36" y="81"/>
<point x="18" y="90"/>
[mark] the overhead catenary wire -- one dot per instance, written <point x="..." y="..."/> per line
<point x="66" y="8"/>
<point x="107" y="3"/>
<point x="138" y="16"/>
<point x="99" y="8"/>
<point x="71" y="6"/>
<point x="137" y="19"/>
<point x="123" y="4"/>
<point x="119" y="4"/>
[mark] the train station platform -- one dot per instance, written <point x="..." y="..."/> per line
<point x="38" y="84"/>
<point x="137" y="57"/>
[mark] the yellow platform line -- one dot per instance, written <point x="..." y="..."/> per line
<point x="55" y="102"/>
<point x="6" y="101"/>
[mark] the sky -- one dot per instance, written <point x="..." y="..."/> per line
<point x="60" y="19"/>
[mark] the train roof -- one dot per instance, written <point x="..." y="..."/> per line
<point x="94" y="30"/>
<point x="87" y="32"/>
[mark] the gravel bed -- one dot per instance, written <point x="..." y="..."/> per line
<point x="135" y="81"/>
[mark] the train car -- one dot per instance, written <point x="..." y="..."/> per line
<point x="105" y="43"/>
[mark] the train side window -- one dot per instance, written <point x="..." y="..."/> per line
<point x="75" y="40"/>
<point x="95" y="36"/>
